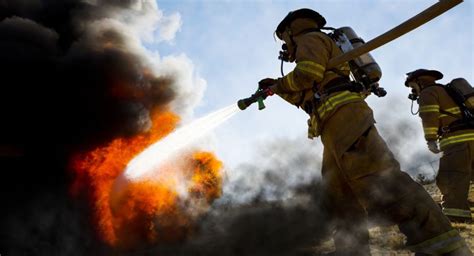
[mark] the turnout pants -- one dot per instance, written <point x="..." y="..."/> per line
<point x="455" y="173"/>
<point x="367" y="179"/>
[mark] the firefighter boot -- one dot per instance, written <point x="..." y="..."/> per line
<point x="463" y="251"/>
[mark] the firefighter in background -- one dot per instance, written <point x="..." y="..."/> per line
<point x="441" y="117"/>
<point x="360" y="173"/>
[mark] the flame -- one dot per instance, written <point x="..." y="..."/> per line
<point x="145" y="211"/>
<point x="207" y="178"/>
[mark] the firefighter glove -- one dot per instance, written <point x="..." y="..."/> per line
<point x="433" y="146"/>
<point x="265" y="83"/>
<point x="264" y="93"/>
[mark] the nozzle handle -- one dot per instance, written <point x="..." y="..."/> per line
<point x="259" y="96"/>
<point x="261" y="105"/>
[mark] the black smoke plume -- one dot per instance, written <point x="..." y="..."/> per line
<point x="69" y="83"/>
<point x="270" y="207"/>
<point x="71" y="79"/>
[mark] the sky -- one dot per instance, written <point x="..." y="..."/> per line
<point x="231" y="47"/>
<point x="215" y="52"/>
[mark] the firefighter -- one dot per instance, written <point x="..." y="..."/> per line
<point x="360" y="174"/>
<point x="442" y="121"/>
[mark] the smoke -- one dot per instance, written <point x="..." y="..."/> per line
<point x="89" y="67"/>
<point x="403" y="133"/>
<point x="280" y="168"/>
<point x="271" y="206"/>
<point x="76" y="74"/>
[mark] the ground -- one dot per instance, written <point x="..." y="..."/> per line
<point x="389" y="241"/>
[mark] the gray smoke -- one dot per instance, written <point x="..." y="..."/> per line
<point x="281" y="167"/>
<point x="76" y="74"/>
<point x="273" y="206"/>
<point x="269" y="207"/>
<point x="403" y="133"/>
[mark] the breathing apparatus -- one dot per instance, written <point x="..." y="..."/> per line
<point x="287" y="54"/>
<point x="412" y="78"/>
<point x="314" y="21"/>
<point x="365" y="71"/>
<point x="414" y="96"/>
<point x="459" y="89"/>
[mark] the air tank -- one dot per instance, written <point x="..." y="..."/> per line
<point x="364" y="67"/>
<point x="463" y="88"/>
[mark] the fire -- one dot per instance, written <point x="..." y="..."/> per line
<point x="145" y="211"/>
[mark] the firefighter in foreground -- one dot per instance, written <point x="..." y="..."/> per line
<point x="445" y="114"/>
<point x="361" y="174"/>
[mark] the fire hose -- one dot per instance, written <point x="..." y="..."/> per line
<point x="416" y="21"/>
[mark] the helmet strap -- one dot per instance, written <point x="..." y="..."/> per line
<point x="290" y="35"/>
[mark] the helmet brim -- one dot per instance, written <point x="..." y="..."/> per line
<point x="299" y="14"/>
<point x="422" y="72"/>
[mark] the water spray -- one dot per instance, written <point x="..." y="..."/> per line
<point x="149" y="161"/>
<point x="156" y="155"/>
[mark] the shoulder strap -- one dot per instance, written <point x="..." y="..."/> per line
<point x="442" y="111"/>
<point x="466" y="115"/>
<point x="337" y="71"/>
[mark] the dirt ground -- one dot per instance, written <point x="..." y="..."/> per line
<point x="388" y="241"/>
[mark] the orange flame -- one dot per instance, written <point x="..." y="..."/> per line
<point x="148" y="211"/>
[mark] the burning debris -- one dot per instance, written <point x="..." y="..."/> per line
<point x="80" y="91"/>
<point x="147" y="211"/>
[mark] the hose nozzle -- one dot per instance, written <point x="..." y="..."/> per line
<point x="245" y="103"/>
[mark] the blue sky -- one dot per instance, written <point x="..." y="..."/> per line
<point x="232" y="47"/>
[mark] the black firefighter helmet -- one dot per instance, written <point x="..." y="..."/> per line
<point x="422" y="72"/>
<point x="299" y="14"/>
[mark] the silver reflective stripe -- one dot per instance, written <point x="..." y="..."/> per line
<point x="457" y="212"/>
<point x="443" y="243"/>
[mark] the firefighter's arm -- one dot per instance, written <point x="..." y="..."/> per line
<point x="312" y="56"/>
<point x="429" y="113"/>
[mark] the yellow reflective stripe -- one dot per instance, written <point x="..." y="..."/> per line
<point x="344" y="67"/>
<point x="289" y="81"/>
<point x="446" y="242"/>
<point x="456" y="139"/>
<point x="312" y="68"/>
<point x="311" y="64"/>
<point x="454" y="111"/>
<point x="457" y="212"/>
<point x="329" y="103"/>
<point x="431" y="130"/>
<point x="335" y="101"/>
<point x="311" y="72"/>
<point x="429" y="108"/>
